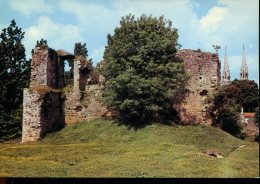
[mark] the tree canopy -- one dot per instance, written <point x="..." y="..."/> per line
<point x="228" y="101"/>
<point x="81" y="49"/>
<point x="246" y="94"/>
<point x="14" y="75"/>
<point x="42" y="43"/>
<point x="143" y="75"/>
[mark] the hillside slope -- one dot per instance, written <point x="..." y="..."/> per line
<point x="101" y="148"/>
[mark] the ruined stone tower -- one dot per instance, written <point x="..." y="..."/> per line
<point x="74" y="110"/>
<point x="244" y="69"/>
<point x="204" y="70"/>
<point x="81" y="102"/>
<point x="43" y="104"/>
<point x="47" y="106"/>
<point x="226" y="72"/>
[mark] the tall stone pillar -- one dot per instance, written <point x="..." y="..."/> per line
<point x="204" y="69"/>
<point x="76" y="73"/>
<point x="45" y="71"/>
<point x="42" y="106"/>
<point x="31" y="116"/>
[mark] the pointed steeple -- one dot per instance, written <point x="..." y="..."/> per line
<point x="244" y="69"/>
<point x="226" y="72"/>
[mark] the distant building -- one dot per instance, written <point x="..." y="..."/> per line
<point x="244" y="68"/>
<point x="250" y="128"/>
<point x="226" y="72"/>
<point x="246" y="116"/>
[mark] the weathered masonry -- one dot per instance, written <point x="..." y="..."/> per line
<point x="46" y="106"/>
<point x="204" y="71"/>
<point x="43" y="104"/>
<point x="50" y="104"/>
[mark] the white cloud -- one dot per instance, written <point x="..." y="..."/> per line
<point x="91" y="17"/>
<point x="232" y="22"/>
<point x="226" y="23"/>
<point x="106" y="16"/>
<point x="59" y="36"/>
<point x="28" y="7"/>
<point x="97" y="20"/>
<point x="212" y="21"/>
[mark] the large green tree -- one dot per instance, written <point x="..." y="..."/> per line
<point x="14" y="76"/>
<point x="247" y="94"/>
<point x="143" y="75"/>
<point x="228" y="101"/>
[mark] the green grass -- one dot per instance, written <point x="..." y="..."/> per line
<point x="101" y="148"/>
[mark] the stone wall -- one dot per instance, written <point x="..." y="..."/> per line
<point x="46" y="106"/>
<point x="42" y="113"/>
<point x="31" y="116"/>
<point x="73" y="108"/>
<point x="52" y="69"/>
<point x="61" y="78"/>
<point x="42" y="103"/>
<point x="95" y="108"/>
<point x="83" y="101"/>
<point x="76" y="74"/>
<point x="204" y="71"/>
<point x="44" y="68"/>
<point x="84" y="106"/>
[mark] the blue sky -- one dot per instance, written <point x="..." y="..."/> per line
<point x="200" y="23"/>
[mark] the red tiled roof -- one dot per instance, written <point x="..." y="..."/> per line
<point x="249" y="114"/>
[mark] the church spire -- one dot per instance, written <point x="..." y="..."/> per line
<point x="244" y="69"/>
<point x="226" y="72"/>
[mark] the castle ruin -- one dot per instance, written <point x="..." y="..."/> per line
<point x="48" y="107"/>
<point x="203" y="69"/>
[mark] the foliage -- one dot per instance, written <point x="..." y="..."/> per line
<point x="143" y="75"/>
<point x="246" y="94"/>
<point x="41" y="43"/>
<point x="40" y="89"/>
<point x="230" y="119"/>
<point x="14" y="75"/>
<point x="98" y="68"/>
<point x="81" y="49"/>
<point x="226" y="104"/>
<point x="11" y="124"/>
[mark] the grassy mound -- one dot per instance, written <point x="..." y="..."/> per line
<point x="101" y="148"/>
